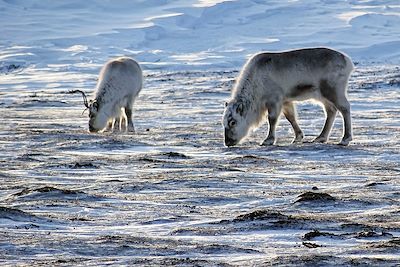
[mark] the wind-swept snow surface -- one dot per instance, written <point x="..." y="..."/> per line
<point x="194" y="34"/>
<point x="172" y="194"/>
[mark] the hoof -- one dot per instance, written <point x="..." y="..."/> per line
<point x="268" y="142"/>
<point x="320" y="139"/>
<point x="298" y="140"/>
<point x="345" y="141"/>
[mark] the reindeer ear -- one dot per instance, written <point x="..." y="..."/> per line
<point x="240" y="109"/>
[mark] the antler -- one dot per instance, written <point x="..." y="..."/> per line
<point x="85" y="102"/>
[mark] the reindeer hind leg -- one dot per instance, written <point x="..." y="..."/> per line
<point x="337" y="95"/>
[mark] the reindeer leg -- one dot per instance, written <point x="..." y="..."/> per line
<point x="128" y="112"/>
<point x="117" y="125"/>
<point x="273" y="116"/>
<point x="344" y="107"/>
<point x="110" y="126"/>
<point x="336" y="93"/>
<point x="330" y="111"/>
<point x="289" y="111"/>
<point x="124" y="127"/>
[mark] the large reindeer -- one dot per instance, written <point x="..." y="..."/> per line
<point x="271" y="82"/>
<point x="119" y="84"/>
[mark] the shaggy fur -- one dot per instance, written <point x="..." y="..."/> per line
<point x="271" y="82"/>
<point x="119" y="84"/>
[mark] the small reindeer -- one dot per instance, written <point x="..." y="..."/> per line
<point x="272" y="82"/>
<point x="119" y="84"/>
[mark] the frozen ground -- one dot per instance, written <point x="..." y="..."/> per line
<point x="172" y="194"/>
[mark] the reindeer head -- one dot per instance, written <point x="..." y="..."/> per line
<point x="97" y="121"/>
<point x="235" y="123"/>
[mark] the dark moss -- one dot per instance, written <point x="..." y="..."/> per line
<point x="314" y="196"/>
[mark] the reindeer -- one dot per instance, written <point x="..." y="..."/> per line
<point x="272" y="82"/>
<point x="119" y="84"/>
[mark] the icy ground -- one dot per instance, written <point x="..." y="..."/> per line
<point x="172" y="194"/>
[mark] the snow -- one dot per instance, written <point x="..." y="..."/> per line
<point x="172" y="194"/>
<point x="165" y="34"/>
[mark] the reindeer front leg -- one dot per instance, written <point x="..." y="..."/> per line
<point x="128" y="113"/>
<point x="110" y="126"/>
<point x="274" y="112"/>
